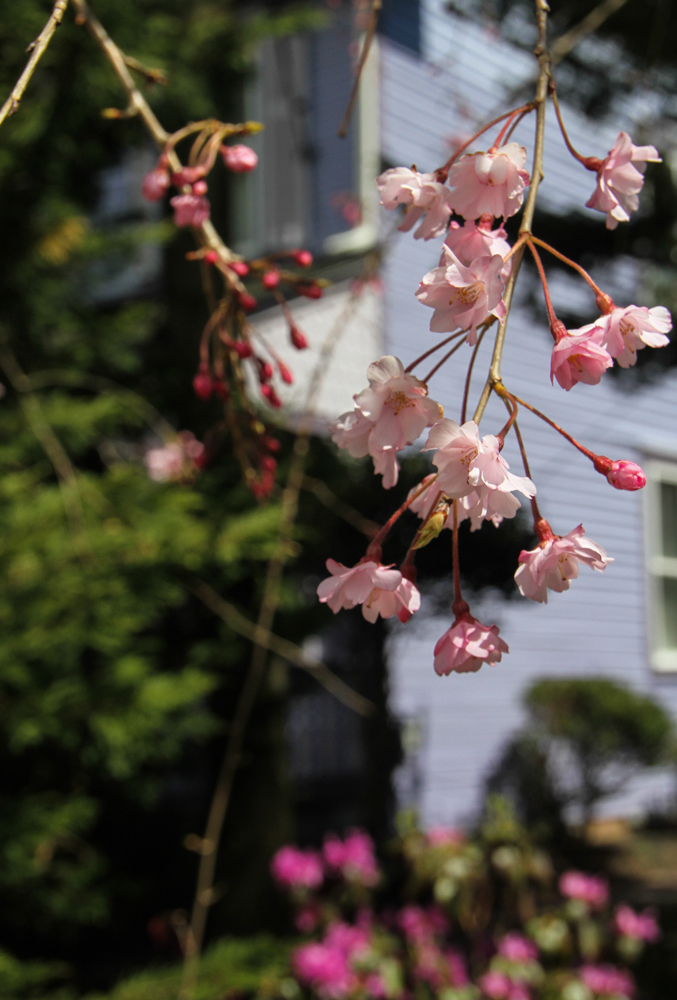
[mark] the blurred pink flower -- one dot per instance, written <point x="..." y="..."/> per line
<point x="293" y="868"/>
<point x="190" y="209"/>
<point x="156" y="184"/>
<point x="589" y="889"/>
<point x="642" y="926"/>
<point x="463" y="296"/>
<point x="240" y="159"/>
<point x="607" y="980"/>
<point x="353" y="857"/>
<point x="440" y="836"/>
<point x="495" y="985"/>
<point x="324" y="968"/>
<point x="517" y="948"/>
<point x="426" y="199"/>
<point x="620" y="177"/>
<point x="551" y="566"/>
<point x="489" y="183"/>
<point x="175" y="460"/>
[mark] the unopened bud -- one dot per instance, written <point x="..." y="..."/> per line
<point x="188" y="175"/>
<point x="431" y="529"/>
<point x="271" y="279"/>
<point x="240" y="268"/>
<point x="240" y="159"/>
<point x="285" y="374"/>
<point x="298" y="339"/>
<point x="269" y="393"/>
<point x="200" y="188"/>
<point x="303" y="258"/>
<point x="626" y="476"/>
<point x="310" y="291"/>
<point x="246" y="301"/>
<point x="210" y="257"/>
<point x="202" y="385"/>
<point x="242" y="349"/>
<point x="155" y="184"/>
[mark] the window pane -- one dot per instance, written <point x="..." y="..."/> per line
<point x="669" y="518"/>
<point x="668" y="639"/>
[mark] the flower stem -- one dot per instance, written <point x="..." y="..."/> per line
<point x="468" y="377"/>
<point x="572" y="440"/>
<point x="585" y="160"/>
<point x="443" y="361"/>
<point x="539" y="264"/>
<point x="432" y="350"/>
<point x="526" y="108"/>
<point x="605" y="299"/>
<point x="458" y="596"/>
<point x="374" y="547"/>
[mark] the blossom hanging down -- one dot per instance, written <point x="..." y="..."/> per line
<point x="467" y="645"/>
<point x="390" y="414"/>
<point x="630" y="329"/>
<point x="424" y="198"/>
<point x="579" y="356"/>
<point x="620" y="177"/>
<point x="554" y="563"/>
<point x="381" y="590"/>
<point x="490" y="183"/>
<point x="470" y="241"/>
<point x="463" y="296"/>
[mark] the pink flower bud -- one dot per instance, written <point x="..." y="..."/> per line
<point x="265" y="371"/>
<point x="303" y="258"/>
<point x="211" y="257"/>
<point x="200" y="188"/>
<point x="188" y="175"/>
<point x="242" y="349"/>
<point x="285" y="374"/>
<point x="189" y="209"/>
<point x="310" y="291"/>
<point x="221" y="389"/>
<point x="240" y="268"/>
<point x="202" y="384"/>
<point x="246" y="301"/>
<point x="626" y="476"/>
<point x="269" y="393"/>
<point x="239" y="159"/>
<point x="271" y="279"/>
<point x="298" y="339"/>
<point x="155" y="184"/>
<point x="271" y="443"/>
<point x="268" y="462"/>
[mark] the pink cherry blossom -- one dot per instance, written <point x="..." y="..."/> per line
<point x="463" y="296"/>
<point x="578" y="356"/>
<point x="641" y="926"/>
<point x="467" y="645"/>
<point x="553" y="565"/>
<point x="389" y="415"/>
<point x="424" y="197"/>
<point x="489" y="470"/>
<point x="487" y="505"/>
<point x="240" y="159"/>
<point x="470" y="241"/>
<point x="426" y="501"/>
<point x="190" y="209"/>
<point x="353" y="857"/>
<point x="489" y="183"/>
<point x="620" y="177"/>
<point x="403" y="602"/>
<point x="632" y="328"/>
<point x="517" y="948"/>
<point x="348" y="587"/>
<point x="588" y="888"/>
<point x="174" y="460"/>
<point x="156" y="184"/>
<point x="294" y="868"/>
<point x="626" y="476"/>
<point x="607" y="980"/>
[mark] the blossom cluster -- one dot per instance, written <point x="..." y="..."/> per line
<point x="429" y="935"/>
<point x="467" y="202"/>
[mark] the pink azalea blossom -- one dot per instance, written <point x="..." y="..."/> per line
<point x="174" y="460"/>
<point x="620" y="177"/>
<point x="470" y="241"/>
<point x="467" y="645"/>
<point x="456" y="967"/>
<point x="587" y="888"/>
<point x="552" y="566"/>
<point x="389" y="415"/>
<point x="495" y="985"/>
<point x="424" y="197"/>
<point x="463" y="296"/>
<point x="324" y="968"/>
<point x="626" y="475"/>
<point x="293" y="868"/>
<point x="641" y="926"/>
<point x="607" y="980"/>
<point x="307" y="918"/>
<point x="240" y="159"/>
<point x="351" y="939"/>
<point x="578" y="356"/>
<point x="419" y="924"/>
<point x="190" y="209"/>
<point x="489" y="183"/>
<point x="517" y="948"/>
<point x="353" y="857"/>
<point x="632" y="328"/>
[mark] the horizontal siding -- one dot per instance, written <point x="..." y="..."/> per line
<point x="600" y="625"/>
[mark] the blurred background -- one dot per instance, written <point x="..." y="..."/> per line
<point x="118" y="680"/>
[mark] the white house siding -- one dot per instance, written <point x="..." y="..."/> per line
<point x="600" y="626"/>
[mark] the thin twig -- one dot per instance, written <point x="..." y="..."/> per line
<point x="343" y="510"/>
<point x="591" y="22"/>
<point x="366" y="48"/>
<point x="276" y="644"/>
<point x="151" y="74"/>
<point x="36" y="49"/>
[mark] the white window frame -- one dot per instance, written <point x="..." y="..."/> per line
<point x="658" y="566"/>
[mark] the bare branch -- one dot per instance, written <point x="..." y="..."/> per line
<point x="591" y="22"/>
<point x="37" y="49"/>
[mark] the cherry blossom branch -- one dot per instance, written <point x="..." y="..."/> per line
<point x="444" y="360"/>
<point x="466" y="390"/>
<point x="432" y="350"/>
<point x="541" y="53"/>
<point x="572" y="440"/>
<point x="525" y="109"/>
<point x="364" y="55"/>
<point x="603" y="300"/>
<point x="544" y="281"/>
<point x="591" y="22"/>
<point x="374" y="547"/>
<point x="37" y="50"/>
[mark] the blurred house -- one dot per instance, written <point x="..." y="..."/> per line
<point x="434" y="77"/>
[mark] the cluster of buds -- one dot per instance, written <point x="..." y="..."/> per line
<point x="467" y="293"/>
<point x="229" y="342"/>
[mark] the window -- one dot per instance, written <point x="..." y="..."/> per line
<point x="661" y="508"/>
<point x="311" y="189"/>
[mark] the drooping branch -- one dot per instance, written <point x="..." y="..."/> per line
<point x="37" y="50"/>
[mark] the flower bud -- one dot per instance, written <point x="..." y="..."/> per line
<point x="265" y="370"/>
<point x="240" y="159"/>
<point x="285" y="374"/>
<point x="626" y="476"/>
<point x="303" y="258"/>
<point x="188" y="175"/>
<point x="242" y="349"/>
<point x="200" y="188"/>
<point x="271" y="279"/>
<point x="246" y="301"/>
<point x="431" y="529"/>
<point x="155" y="184"/>
<point x="269" y="393"/>
<point x="202" y="385"/>
<point x="310" y="291"/>
<point x="298" y="339"/>
<point x="240" y="268"/>
<point x="210" y="257"/>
